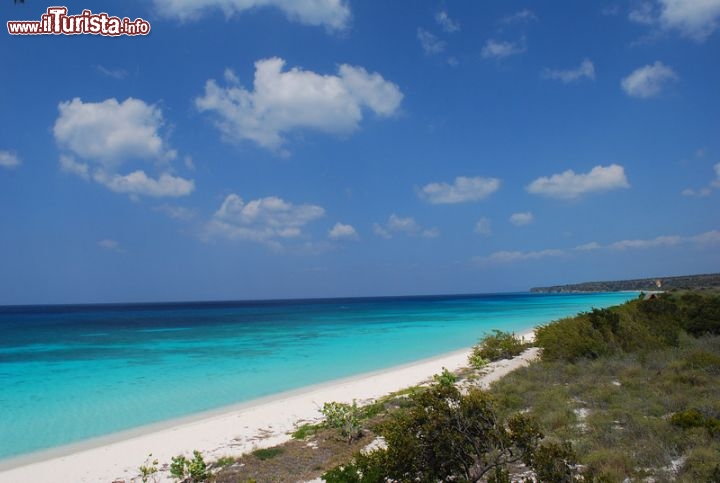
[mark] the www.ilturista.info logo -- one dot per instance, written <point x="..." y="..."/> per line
<point x="57" y="22"/>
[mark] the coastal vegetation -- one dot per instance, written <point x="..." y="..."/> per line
<point x="630" y="393"/>
<point x="685" y="282"/>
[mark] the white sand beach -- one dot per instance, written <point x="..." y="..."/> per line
<point x="230" y="431"/>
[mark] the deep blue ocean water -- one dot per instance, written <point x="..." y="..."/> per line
<point x="70" y="373"/>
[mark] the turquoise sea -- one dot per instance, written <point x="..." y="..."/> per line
<point x="69" y="373"/>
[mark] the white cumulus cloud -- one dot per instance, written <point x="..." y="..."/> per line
<point x="498" y="49"/>
<point x="97" y="138"/>
<point x="262" y="220"/>
<point x="586" y="70"/>
<point x="138" y="183"/>
<point x="9" y="160"/>
<point x="295" y="100"/>
<point x="568" y="184"/>
<point x="407" y="226"/>
<point x="463" y="189"/>
<point x="648" y="81"/>
<point x="697" y="19"/>
<point x="333" y="14"/>
<point x="520" y="219"/>
<point x="342" y="232"/>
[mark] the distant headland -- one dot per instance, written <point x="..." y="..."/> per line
<point x="685" y="282"/>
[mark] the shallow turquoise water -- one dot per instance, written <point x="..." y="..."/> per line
<point x="70" y="373"/>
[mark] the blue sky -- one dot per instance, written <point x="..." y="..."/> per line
<point x="269" y="149"/>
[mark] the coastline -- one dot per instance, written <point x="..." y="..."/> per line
<point x="228" y="431"/>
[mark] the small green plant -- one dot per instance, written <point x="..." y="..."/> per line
<point x="195" y="468"/>
<point x="343" y="416"/>
<point x="445" y="378"/>
<point x="305" y="430"/>
<point x="267" y="453"/>
<point x="148" y="469"/>
<point x="225" y="461"/>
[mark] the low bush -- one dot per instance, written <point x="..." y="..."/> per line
<point x="267" y="453"/>
<point x="342" y="416"/>
<point x="194" y="470"/>
<point x="496" y="346"/>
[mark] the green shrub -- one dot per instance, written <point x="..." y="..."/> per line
<point x="225" y="461"/>
<point x="571" y="339"/>
<point x="305" y="430"/>
<point x="498" y="345"/>
<point x="195" y="469"/>
<point x="267" y="453"/>
<point x="446" y="378"/>
<point x="148" y="469"/>
<point x="342" y="416"/>
<point x="447" y="436"/>
<point x="703" y="360"/>
<point x="690" y="418"/>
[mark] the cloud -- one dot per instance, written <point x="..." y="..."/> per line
<point x="105" y="135"/>
<point x="448" y="25"/>
<point x="342" y="232"/>
<point x="332" y="14"/>
<point x="262" y="220"/>
<point x="463" y="190"/>
<point x="699" y="193"/>
<point x="643" y="13"/>
<point x="702" y="240"/>
<point x="661" y="241"/>
<point x="430" y="44"/>
<point x="520" y="219"/>
<point x="707" y="190"/>
<point x="407" y="226"/>
<point x="296" y="100"/>
<point x="9" y="160"/>
<point x="138" y="183"/>
<point x="118" y="74"/>
<point x="111" y="132"/>
<point x="569" y="185"/>
<point x="648" y="81"/>
<point x="111" y="245"/>
<point x="498" y="49"/>
<point x="176" y="212"/>
<point x="483" y="227"/>
<point x="694" y="19"/>
<point x="585" y="70"/>
<point x="522" y="16"/>
<point x="517" y="256"/>
<point x="69" y="165"/>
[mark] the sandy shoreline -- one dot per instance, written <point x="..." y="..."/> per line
<point x="229" y="431"/>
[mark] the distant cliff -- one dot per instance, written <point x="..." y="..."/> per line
<point x="646" y="284"/>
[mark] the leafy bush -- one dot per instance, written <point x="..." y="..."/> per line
<point x="498" y="345"/>
<point x="447" y="436"/>
<point x="446" y="378"/>
<point x="342" y="416"/>
<point x="194" y="469"/>
<point x="267" y="453"/>
<point x="571" y="339"/>
<point x="148" y="469"/>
